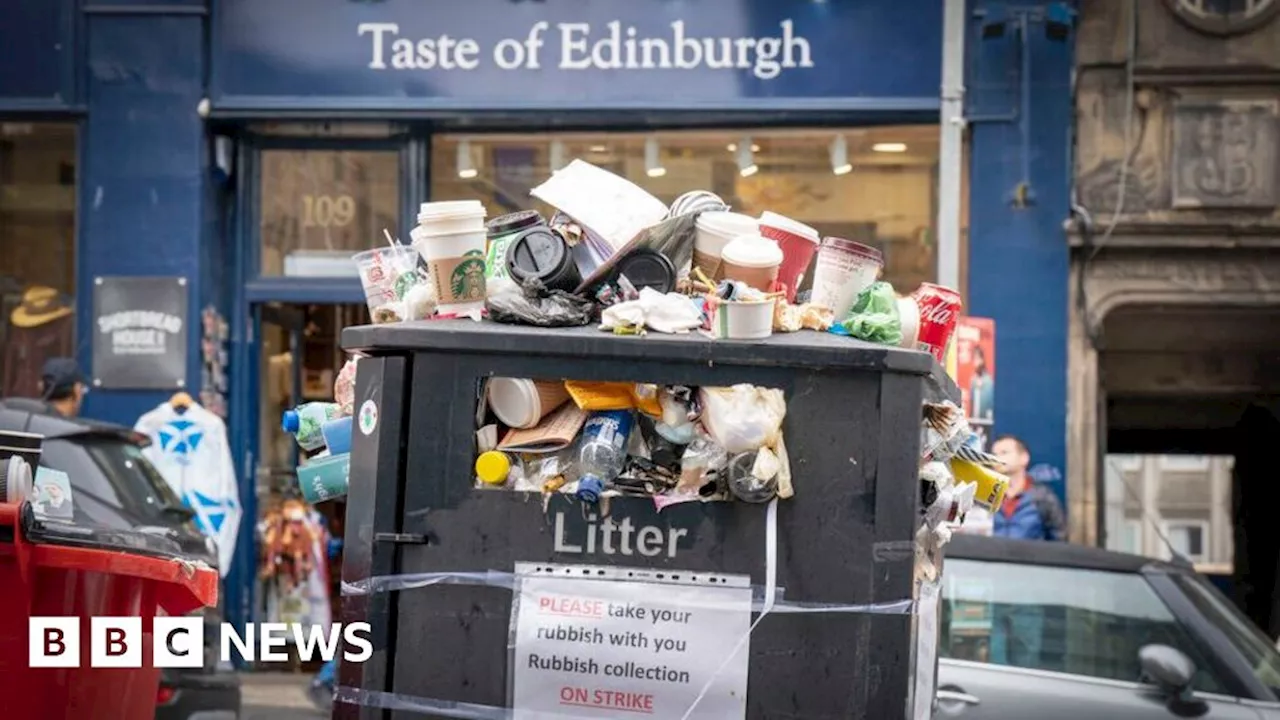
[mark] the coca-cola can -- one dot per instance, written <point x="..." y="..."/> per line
<point x="939" y="313"/>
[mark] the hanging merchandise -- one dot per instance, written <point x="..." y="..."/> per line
<point x="213" y="359"/>
<point x="189" y="447"/>
<point x="294" y="568"/>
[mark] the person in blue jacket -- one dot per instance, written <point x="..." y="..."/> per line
<point x="1031" y="511"/>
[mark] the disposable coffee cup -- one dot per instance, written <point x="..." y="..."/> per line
<point x="451" y="237"/>
<point x="798" y="243"/>
<point x="743" y="319"/>
<point x="909" y="320"/>
<point x="715" y="230"/>
<point x="844" y="269"/>
<point x="325" y="478"/>
<point x="24" y="445"/>
<point x="521" y="403"/>
<point x="752" y="259"/>
<point x="387" y="273"/>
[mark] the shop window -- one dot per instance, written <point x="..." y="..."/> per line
<point x="321" y="206"/>
<point x="872" y="185"/>
<point x="37" y="265"/>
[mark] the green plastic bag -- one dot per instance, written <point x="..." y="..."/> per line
<point x="874" y="316"/>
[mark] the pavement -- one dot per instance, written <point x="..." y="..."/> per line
<point x="276" y="696"/>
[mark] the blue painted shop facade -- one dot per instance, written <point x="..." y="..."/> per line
<point x="179" y="106"/>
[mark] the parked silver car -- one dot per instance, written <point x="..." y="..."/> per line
<point x="1050" y="631"/>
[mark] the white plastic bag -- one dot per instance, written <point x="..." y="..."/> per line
<point x="743" y="418"/>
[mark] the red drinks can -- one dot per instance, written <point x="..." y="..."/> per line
<point x="939" y="313"/>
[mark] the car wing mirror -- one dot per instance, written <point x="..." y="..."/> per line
<point x="1167" y="668"/>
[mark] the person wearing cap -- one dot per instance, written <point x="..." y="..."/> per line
<point x="62" y="386"/>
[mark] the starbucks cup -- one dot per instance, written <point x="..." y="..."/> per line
<point x="714" y="231"/>
<point x="752" y="259"/>
<point x="451" y="237"/>
<point x="522" y="403"/>
<point x="844" y="269"/>
<point x="798" y="242"/>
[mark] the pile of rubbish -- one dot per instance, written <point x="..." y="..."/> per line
<point x="613" y="255"/>
<point x="597" y="440"/>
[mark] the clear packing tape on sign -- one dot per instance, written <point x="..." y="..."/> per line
<point x="718" y="654"/>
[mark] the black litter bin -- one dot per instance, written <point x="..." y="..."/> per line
<point x="846" y="538"/>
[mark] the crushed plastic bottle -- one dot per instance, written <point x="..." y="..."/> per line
<point x="602" y="451"/>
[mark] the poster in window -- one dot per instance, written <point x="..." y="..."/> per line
<point x="975" y="373"/>
<point x="140" y="333"/>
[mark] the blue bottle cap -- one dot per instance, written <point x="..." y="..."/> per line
<point x="290" y="422"/>
<point x="589" y="489"/>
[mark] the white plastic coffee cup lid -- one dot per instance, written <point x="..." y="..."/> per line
<point x="782" y="222"/>
<point x="450" y="210"/>
<point x="752" y="251"/>
<point x="515" y="401"/>
<point x="728" y="223"/>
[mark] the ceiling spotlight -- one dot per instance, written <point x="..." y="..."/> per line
<point x="652" y="162"/>
<point x="840" y="156"/>
<point x="890" y="147"/>
<point x="556" y="160"/>
<point x="466" y="168"/>
<point x="733" y="147"/>
<point x="599" y="148"/>
<point x="746" y="158"/>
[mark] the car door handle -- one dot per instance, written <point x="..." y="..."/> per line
<point x="958" y="697"/>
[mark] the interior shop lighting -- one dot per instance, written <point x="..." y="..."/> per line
<point x="652" y="162"/>
<point x="840" y="156"/>
<point x="747" y="158"/>
<point x="890" y="147"/>
<point x="599" y="148"/>
<point x="466" y="168"/>
<point x="557" y="155"/>
<point x="733" y="147"/>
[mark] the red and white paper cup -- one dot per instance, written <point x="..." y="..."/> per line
<point x="939" y="312"/>
<point x="798" y="242"/>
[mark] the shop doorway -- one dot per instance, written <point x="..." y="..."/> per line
<point x="299" y="355"/>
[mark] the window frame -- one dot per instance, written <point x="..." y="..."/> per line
<point x="1167" y="525"/>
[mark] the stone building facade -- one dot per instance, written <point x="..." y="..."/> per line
<point x="1174" y="319"/>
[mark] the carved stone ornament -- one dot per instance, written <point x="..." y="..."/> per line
<point x="1224" y="18"/>
<point x="1225" y="154"/>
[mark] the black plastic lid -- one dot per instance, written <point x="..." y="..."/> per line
<point x="539" y="253"/>
<point x="648" y="268"/>
<point x="512" y="222"/>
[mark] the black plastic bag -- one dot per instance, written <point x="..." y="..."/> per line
<point x="535" y="305"/>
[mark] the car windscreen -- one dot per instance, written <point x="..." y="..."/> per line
<point x="112" y="484"/>
<point x="1257" y="650"/>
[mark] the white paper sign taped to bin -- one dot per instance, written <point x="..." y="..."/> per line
<point x="628" y="643"/>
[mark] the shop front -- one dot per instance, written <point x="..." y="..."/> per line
<point x="346" y="117"/>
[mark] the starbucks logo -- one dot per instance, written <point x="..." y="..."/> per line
<point x="467" y="279"/>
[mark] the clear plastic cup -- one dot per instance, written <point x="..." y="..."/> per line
<point x="387" y="274"/>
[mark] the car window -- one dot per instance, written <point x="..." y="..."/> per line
<point x="1257" y="650"/>
<point x="1083" y="622"/>
<point x="112" y="484"/>
<point x="87" y="482"/>
<point x="125" y="463"/>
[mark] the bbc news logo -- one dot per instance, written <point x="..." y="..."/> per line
<point x="179" y="642"/>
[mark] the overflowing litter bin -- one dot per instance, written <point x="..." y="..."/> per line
<point x="491" y="602"/>
<point x="52" y="568"/>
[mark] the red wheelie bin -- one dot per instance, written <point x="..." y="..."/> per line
<point x="78" y="579"/>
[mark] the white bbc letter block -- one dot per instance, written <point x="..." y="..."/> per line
<point x="53" y="642"/>
<point x="115" y="642"/>
<point x="178" y="642"/>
